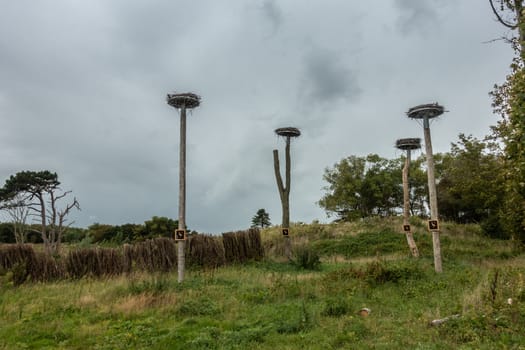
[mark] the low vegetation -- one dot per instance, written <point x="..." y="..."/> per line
<point x="312" y="302"/>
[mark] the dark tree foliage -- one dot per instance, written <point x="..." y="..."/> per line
<point x="470" y="187"/>
<point x="157" y="226"/>
<point x="7" y="234"/>
<point x="418" y="186"/>
<point x="160" y="226"/>
<point x="100" y="232"/>
<point x="74" y="234"/>
<point x="32" y="182"/>
<point x="261" y="219"/>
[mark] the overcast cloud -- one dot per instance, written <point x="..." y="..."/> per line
<point x="83" y="87"/>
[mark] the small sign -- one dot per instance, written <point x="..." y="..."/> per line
<point x="433" y="225"/>
<point x="180" y="235"/>
<point x="286" y="232"/>
<point x="406" y="228"/>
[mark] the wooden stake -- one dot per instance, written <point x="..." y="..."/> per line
<point x="181" y="245"/>
<point x="284" y="192"/>
<point x="432" y="196"/>
<point x="406" y="206"/>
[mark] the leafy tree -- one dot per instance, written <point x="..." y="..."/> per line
<point x="41" y="193"/>
<point x="359" y="187"/>
<point x="102" y="232"/>
<point x="74" y="234"/>
<point x="508" y="100"/>
<point x="261" y="219"/>
<point x="160" y="226"/>
<point x="470" y="187"/>
<point x="126" y="233"/>
<point x="129" y="232"/>
<point x="418" y="186"/>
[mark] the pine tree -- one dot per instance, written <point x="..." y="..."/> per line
<point x="261" y="219"/>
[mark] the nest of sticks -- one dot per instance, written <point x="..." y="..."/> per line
<point x="288" y="132"/>
<point x="408" y="144"/>
<point x="187" y="100"/>
<point x="430" y="110"/>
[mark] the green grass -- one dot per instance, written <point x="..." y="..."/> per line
<point x="273" y="304"/>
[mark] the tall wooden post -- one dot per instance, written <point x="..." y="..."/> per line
<point x="182" y="102"/>
<point x="432" y="196"/>
<point x="427" y="112"/>
<point x="408" y="145"/>
<point x="181" y="245"/>
<point x="284" y="189"/>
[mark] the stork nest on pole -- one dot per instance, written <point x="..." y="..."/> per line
<point x="288" y="132"/>
<point x="431" y="110"/>
<point x="187" y="100"/>
<point x="408" y="144"/>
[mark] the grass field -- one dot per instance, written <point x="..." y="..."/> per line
<point x="273" y="304"/>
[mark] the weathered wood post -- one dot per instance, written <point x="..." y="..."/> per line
<point x="182" y="102"/>
<point x="284" y="189"/>
<point x="408" y="145"/>
<point x="427" y="112"/>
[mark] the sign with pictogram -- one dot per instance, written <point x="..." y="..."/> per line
<point x="433" y="225"/>
<point x="406" y="228"/>
<point x="286" y="232"/>
<point x="180" y="235"/>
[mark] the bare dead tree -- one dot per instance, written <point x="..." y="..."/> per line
<point x="284" y="189"/>
<point x="18" y="212"/>
<point x="57" y="219"/>
<point x="41" y="193"/>
<point x="53" y="218"/>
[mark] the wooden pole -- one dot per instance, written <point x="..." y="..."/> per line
<point x="181" y="245"/>
<point x="406" y="208"/>
<point x="286" y="202"/>
<point x="432" y="195"/>
<point x="284" y="192"/>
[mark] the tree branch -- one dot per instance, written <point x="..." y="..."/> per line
<point x="500" y="19"/>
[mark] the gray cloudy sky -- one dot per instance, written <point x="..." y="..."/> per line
<point x="83" y="86"/>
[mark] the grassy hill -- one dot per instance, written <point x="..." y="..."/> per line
<point x="274" y="304"/>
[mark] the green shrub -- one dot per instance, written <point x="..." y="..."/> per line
<point x="381" y="271"/>
<point x="295" y="320"/>
<point x="363" y="244"/>
<point x="335" y="307"/>
<point x="199" y="307"/>
<point x="154" y="286"/>
<point x="306" y="258"/>
<point x="19" y="273"/>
